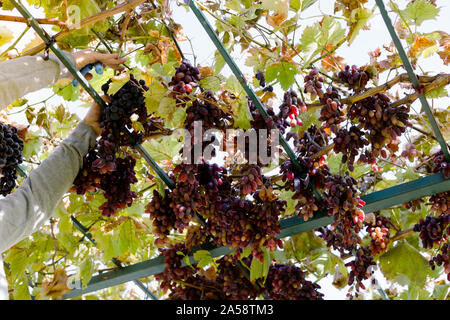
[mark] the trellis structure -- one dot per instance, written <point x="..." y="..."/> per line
<point x="426" y="186"/>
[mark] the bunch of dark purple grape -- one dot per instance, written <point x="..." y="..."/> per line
<point x="206" y="114"/>
<point x="441" y="165"/>
<point x="289" y="283"/>
<point x="184" y="81"/>
<point x="262" y="81"/>
<point x="11" y="147"/>
<point x="357" y="78"/>
<point x="349" y="142"/>
<point x="432" y="230"/>
<point x="442" y="259"/>
<point x="440" y="203"/>
<point x="360" y="268"/>
<point x="102" y="168"/>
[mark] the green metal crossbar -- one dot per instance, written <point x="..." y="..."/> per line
<point x="85" y="232"/>
<point x="85" y="84"/>
<point x="413" y="78"/>
<point x="390" y="197"/>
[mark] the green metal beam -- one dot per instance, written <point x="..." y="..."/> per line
<point x="413" y="78"/>
<point x="84" y="83"/>
<point x="390" y="197"/>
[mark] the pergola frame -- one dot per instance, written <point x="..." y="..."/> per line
<point x="426" y="186"/>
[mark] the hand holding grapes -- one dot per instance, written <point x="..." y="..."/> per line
<point x="92" y="118"/>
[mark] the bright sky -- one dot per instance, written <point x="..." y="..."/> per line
<point x="365" y="42"/>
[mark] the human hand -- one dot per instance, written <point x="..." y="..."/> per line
<point x="85" y="57"/>
<point x="92" y="118"/>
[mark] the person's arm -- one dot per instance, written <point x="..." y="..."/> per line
<point x="25" y="210"/>
<point x="27" y="74"/>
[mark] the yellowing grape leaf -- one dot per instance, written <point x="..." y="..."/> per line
<point x="423" y="45"/>
<point x="58" y="286"/>
<point x="280" y="8"/>
<point x="358" y="19"/>
<point x="117" y="83"/>
<point x="5" y="35"/>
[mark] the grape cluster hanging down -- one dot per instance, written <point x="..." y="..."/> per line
<point x="354" y="77"/>
<point x="230" y="283"/>
<point x="11" y="147"/>
<point x="102" y="167"/>
<point x="184" y="82"/>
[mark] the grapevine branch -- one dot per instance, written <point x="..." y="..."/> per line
<point x="51" y="21"/>
<point x="127" y="6"/>
<point x="433" y="81"/>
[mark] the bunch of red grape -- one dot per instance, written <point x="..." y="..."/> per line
<point x="314" y="84"/>
<point x="291" y="108"/>
<point x="11" y="147"/>
<point x="173" y="271"/>
<point x="384" y="123"/>
<point x="233" y="282"/>
<point x="413" y="205"/>
<point x="243" y="223"/>
<point x="331" y="114"/>
<point x="315" y="172"/>
<point x="356" y="77"/>
<point x="344" y="205"/>
<point x="379" y="232"/>
<point x="184" y="81"/>
<point x="440" y="203"/>
<point x="251" y="180"/>
<point x="348" y="142"/>
<point x="162" y="215"/>
<point x="286" y="282"/>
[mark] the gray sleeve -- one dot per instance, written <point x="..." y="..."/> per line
<point x="27" y="74"/>
<point x="26" y="209"/>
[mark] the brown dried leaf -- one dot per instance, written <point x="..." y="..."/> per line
<point x="210" y="273"/>
<point x="58" y="286"/>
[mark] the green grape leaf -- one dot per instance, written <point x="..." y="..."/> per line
<point x="284" y="72"/>
<point x="260" y="270"/>
<point x="87" y="268"/>
<point x="164" y="148"/>
<point x="6" y="35"/>
<point x="419" y="11"/>
<point x="404" y="264"/>
<point x="154" y="96"/>
<point x="128" y="239"/>
<point x="358" y="19"/>
<point x="305" y="243"/>
<point x="203" y="257"/>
